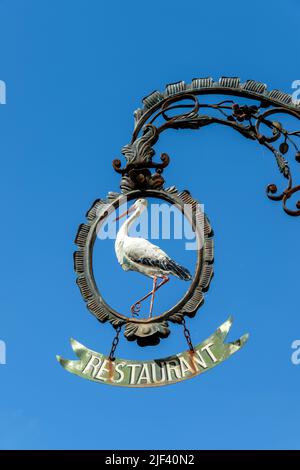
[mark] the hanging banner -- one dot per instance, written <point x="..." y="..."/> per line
<point x="185" y="365"/>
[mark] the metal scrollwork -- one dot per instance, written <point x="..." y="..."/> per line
<point x="180" y="107"/>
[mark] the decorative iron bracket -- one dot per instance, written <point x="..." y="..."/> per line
<point x="180" y="107"/>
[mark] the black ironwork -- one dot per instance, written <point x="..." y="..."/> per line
<point x="187" y="335"/>
<point x="115" y="343"/>
<point x="180" y="107"/>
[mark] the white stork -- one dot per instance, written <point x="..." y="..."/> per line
<point x="138" y="254"/>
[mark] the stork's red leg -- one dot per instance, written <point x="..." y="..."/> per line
<point x="152" y="297"/>
<point x="136" y="307"/>
<point x="164" y="281"/>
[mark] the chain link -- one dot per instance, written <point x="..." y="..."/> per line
<point x="115" y="344"/>
<point x="187" y="335"/>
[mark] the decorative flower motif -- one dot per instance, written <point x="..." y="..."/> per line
<point x="146" y="333"/>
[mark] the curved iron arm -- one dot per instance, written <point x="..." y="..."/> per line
<point x="179" y="107"/>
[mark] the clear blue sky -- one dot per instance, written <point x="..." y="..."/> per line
<point x="75" y="71"/>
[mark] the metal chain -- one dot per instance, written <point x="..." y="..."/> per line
<point x="115" y="343"/>
<point x="187" y="335"/>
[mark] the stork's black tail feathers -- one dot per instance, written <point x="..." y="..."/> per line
<point x="179" y="270"/>
<point x="168" y="265"/>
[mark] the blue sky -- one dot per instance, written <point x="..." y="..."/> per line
<point x="75" y="71"/>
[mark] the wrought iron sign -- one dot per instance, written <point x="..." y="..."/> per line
<point x="180" y="106"/>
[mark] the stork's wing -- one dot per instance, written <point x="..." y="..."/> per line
<point x="143" y="252"/>
<point x="139" y="248"/>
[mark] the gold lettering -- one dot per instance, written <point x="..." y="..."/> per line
<point x="92" y="366"/>
<point x="145" y="374"/>
<point x="102" y="370"/>
<point x="162" y="368"/>
<point x="173" y="367"/>
<point x="209" y="352"/>
<point x="185" y="367"/>
<point x="119" y="370"/>
<point x="199" y="360"/>
<point x="133" y="368"/>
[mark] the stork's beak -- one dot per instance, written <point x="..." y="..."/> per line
<point x="131" y="209"/>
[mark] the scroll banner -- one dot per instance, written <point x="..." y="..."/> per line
<point x="206" y="355"/>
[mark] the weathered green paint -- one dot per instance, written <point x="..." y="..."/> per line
<point x="98" y="368"/>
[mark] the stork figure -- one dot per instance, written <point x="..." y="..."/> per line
<point x="138" y="254"/>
